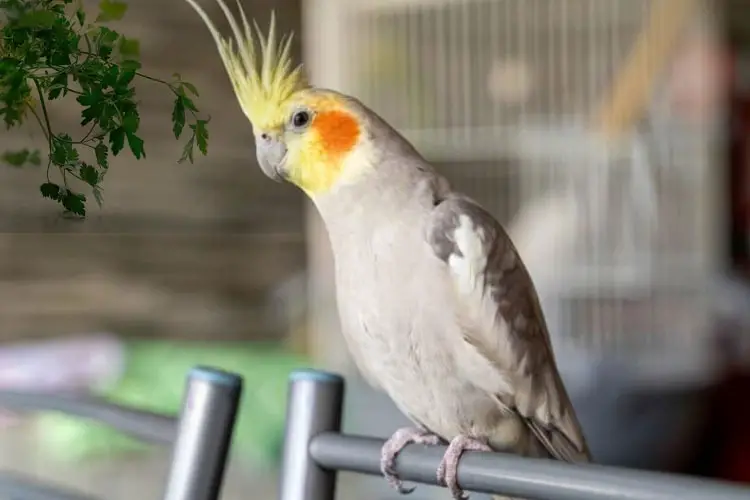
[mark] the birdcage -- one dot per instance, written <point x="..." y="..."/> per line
<point x="558" y="116"/>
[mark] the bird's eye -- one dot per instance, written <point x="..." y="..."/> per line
<point x="300" y="119"/>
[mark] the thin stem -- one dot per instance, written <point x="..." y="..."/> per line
<point x="47" y="68"/>
<point x="88" y="43"/>
<point x="74" y="175"/>
<point x="171" y="87"/>
<point x="67" y="89"/>
<point x="88" y="134"/>
<point x="46" y="120"/>
<point x="78" y="143"/>
<point x="38" y="120"/>
<point x="157" y="80"/>
<point x="85" y="141"/>
<point x="89" y="53"/>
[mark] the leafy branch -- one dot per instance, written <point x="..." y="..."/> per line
<point x="48" y="51"/>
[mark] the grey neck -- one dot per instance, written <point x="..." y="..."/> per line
<point x="380" y="198"/>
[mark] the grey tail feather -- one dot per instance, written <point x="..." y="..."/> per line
<point x="558" y="445"/>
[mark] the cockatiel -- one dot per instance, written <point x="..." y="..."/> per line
<point x="435" y="304"/>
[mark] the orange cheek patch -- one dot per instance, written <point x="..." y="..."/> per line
<point x="337" y="131"/>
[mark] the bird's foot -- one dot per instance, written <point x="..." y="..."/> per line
<point x="447" y="473"/>
<point x="400" y="439"/>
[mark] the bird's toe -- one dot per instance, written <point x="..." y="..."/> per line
<point x="447" y="472"/>
<point x="393" y="446"/>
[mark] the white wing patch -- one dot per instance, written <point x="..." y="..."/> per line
<point x="468" y="268"/>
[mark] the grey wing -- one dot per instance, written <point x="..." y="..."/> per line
<point x="501" y="320"/>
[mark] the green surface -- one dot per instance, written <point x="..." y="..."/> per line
<point x="154" y="380"/>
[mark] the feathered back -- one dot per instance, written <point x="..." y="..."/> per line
<point x="261" y="86"/>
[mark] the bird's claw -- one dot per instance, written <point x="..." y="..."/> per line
<point x="400" y="439"/>
<point x="447" y="472"/>
<point x="389" y="472"/>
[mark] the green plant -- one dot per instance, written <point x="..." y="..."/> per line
<point x="49" y="51"/>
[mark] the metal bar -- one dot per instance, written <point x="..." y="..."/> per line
<point x="144" y="425"/>
<point x="533" y="479"/>
<point x="204" y="435"/>
<point x="17" y="487"/>
<point x="314" y="406"/>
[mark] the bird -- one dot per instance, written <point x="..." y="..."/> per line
<point x="436" y="306"/>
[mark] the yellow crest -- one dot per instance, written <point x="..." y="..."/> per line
<point x="261" y="86"/>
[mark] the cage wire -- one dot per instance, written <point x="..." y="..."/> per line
<point x="500" y="95"/>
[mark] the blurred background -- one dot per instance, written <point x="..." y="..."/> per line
<point x="610" y="137"/>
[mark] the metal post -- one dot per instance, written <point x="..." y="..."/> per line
<point x="314" y="406"/>
<point x="204" y="434"/>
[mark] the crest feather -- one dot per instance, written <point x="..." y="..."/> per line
<point x="261" y="86"/>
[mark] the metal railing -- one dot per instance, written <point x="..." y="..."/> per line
<point x="200" y="435"/>
<point x="314" y="450"/>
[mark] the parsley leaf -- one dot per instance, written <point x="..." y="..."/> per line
<point x="49" y="51"/>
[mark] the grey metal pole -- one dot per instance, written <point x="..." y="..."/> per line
<point x="204" y="435"/>
<point x="533" y="479"/>
<point x="21" y="487"/>
<point x="147" y="426"/>
<point x="314" y="405"/>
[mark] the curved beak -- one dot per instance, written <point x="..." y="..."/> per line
<point x="271" y="153"/>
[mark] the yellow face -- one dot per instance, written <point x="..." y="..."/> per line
<point x="304" y="135"/>
<point x="308" y="140"/>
